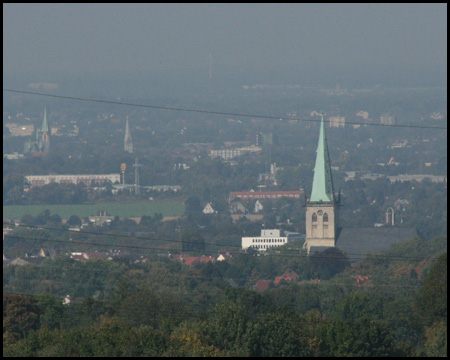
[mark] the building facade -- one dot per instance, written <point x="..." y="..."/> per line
<point x="264" y="195"/>
<point x="40" y="180"/>
<point x="337" y="121"/>
<point x="269" y="238"/>
<point x="228" y="154"/>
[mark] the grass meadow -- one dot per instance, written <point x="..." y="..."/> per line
<point x="115" y="209"/>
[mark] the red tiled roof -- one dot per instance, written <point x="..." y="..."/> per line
<point x="191" y="260"/>
<point x="287" y="276"/>
<point x="262" y="285"/>
<point x="235" y="193"/>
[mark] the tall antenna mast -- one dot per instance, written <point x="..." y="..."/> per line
<point x="136" y="165"/>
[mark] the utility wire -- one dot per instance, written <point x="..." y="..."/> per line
<point x="180" y="241"/>
<point x="211" y="112"/>
<point x="200" y="313"/>
<point x="300" y="255"/>
<point x="73" y="271"/>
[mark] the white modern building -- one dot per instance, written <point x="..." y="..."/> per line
<point x="228" y="154"/>
<point x="40" y="180"/>
<point x="269" y="238"/>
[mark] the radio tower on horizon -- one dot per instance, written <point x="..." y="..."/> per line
<point x="128" y="142"/>
<point x="137" y="189"/>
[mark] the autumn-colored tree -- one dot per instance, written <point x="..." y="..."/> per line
<point x="20" y="315"/>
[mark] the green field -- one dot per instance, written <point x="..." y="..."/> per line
<point x="115" y="209"/>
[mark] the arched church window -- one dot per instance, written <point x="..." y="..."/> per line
<point x="314" y="217"/>
<point x="325" y="217"/>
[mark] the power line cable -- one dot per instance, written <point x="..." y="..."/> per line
<point x="200" y="243"/>
<point x="300" y="255"/>
<point x="176" y="241"/>
<point x="325" y="283"/>
<point x="201" y="312"/>
<point x="212" y="112"/>
<point x="350" y="281"/>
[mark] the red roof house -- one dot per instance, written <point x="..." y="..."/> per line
<point x="288" y="275"/>
<point x="262" y="285"/>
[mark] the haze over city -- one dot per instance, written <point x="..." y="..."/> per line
<point x="176" y="45"/>
<point x="225" y="180"/>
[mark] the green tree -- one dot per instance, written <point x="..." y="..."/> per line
<point x="361" y="338"/>
<point x="227" y="326"/>
<point x="74" y="220"/>
<point x="279" y="334"/>
<point x="191" y="240"/>
<point x="51" y="311"/>
<point x="432" y="298"/>
<point x="326" y="264"/>
<point x="435" y="340"/>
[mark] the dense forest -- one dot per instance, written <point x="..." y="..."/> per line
<point x="159" y="307"/>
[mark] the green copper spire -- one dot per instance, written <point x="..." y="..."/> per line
<point x="322" y="188"/>
<point x="44" y="123"/>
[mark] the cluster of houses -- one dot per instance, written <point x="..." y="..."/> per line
<point x="288" y="276"/>
<point x="195" y="260"/>
<point x="42" y="254"/>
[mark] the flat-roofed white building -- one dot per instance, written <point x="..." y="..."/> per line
<point x="228" y="154"/>
<point x="40" y="180"/>
<point x="269" y="238"/>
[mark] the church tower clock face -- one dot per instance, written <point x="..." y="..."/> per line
<point x="320" y="213"/>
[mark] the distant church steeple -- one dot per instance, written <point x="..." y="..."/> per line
<point x="40" y="146"/>
<point x="44" y="144"/>
<point x="321" y="207"/>
<point x="322" y="188"/>
<point x="128" y="142"/>
<point x="44" y="122"/>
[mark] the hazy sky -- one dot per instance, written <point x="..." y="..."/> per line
<point x="44" y="39"/>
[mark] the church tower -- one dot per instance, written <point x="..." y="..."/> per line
<point x="44" y="141"/>
<point x="322" y="208"/>
<point x="128" y="142"/>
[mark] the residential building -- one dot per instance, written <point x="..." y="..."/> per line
<point x="268" y="195"/>
<point x="237" y="208"/>
<point x="67" y="300"/>
<point x="228" y="154"/>
<point x="20" y="129"/>
<point x="208" y="209"/>
<point x="192" y="260"/>
<point x="363" y="114"/>
<point x="337" y="121"/>
<point x="258" y="206"/>
<point x="386" y="120"/>
<point x="288" y="275"/>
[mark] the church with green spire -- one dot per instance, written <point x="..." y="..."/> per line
<point x="322" y="217"/>
<point x="40" y="146"/>
<point x="322" y="207"/>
